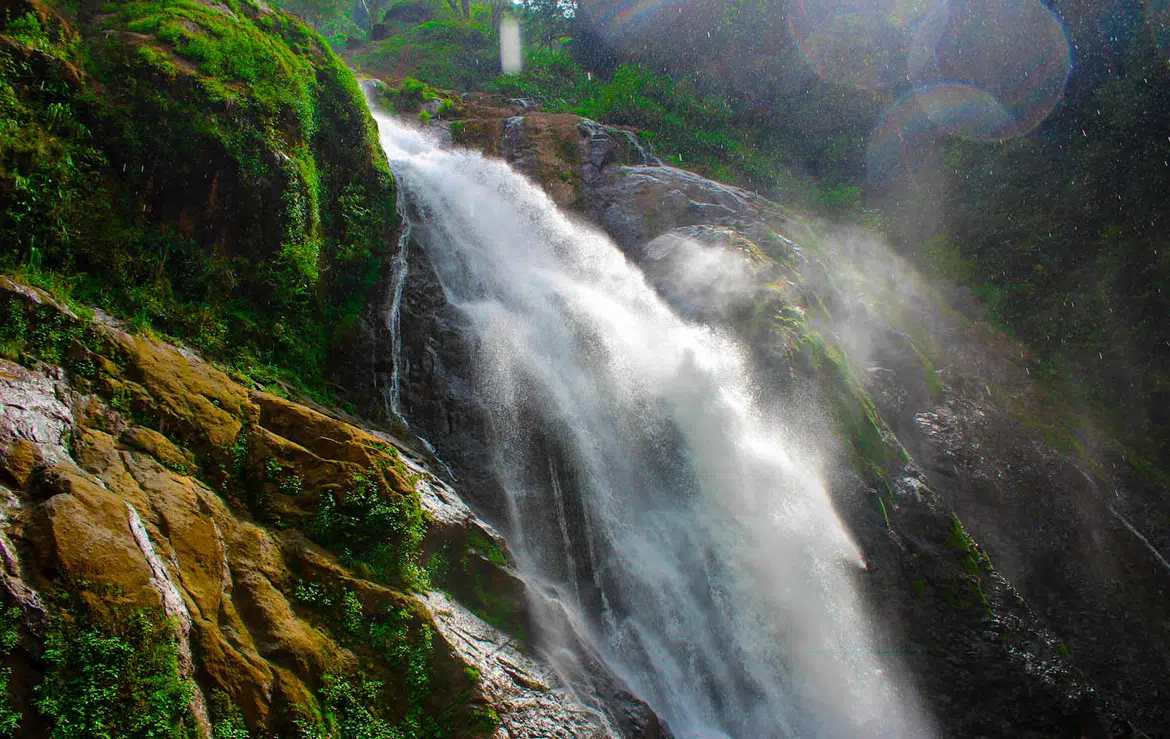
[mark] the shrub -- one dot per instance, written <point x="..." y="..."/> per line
<point x="378" y="529"/>
<point x="115" y="677"/>
<point x="10" y="618"/>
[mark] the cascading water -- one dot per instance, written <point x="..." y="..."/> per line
<point x="394" y="312"/>
<point x="647" y="489"/>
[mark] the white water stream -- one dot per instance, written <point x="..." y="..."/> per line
<point x="647" y="490"/>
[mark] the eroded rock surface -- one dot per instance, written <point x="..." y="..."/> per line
<point x="1015" y="580"/>
<point x="138" y="478"/>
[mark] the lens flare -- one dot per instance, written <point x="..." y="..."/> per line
<point x="1014" y="51"/>
<point x="898" y="141"/>
<point x="861" y="43"/>
<point x="617" y="18"/>
<point x="966" y="112"/>
<point x="902" y="145"/>
<point x="511" y="53"/>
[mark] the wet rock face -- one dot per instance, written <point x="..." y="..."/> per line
<point x="1004" y="575"/>
<point x="135" y="477"/>
<point x="1067" y="536"/>
<point x="636" y="204"/>
<point x="1081" y="540"/>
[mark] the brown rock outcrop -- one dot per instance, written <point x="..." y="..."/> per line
<point x="144" y="479"/>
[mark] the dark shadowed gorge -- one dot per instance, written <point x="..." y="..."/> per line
<point x="709" y="369"/>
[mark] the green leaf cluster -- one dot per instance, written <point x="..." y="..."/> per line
<point x="375" y="528"/>
<point x="115" y="676"/>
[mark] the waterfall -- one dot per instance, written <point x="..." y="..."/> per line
<point x="671" y="513"/>
<point x="394" y="315"/>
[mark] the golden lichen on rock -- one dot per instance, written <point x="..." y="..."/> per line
<point x="146" y="481"/>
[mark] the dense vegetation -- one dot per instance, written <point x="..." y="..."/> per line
<point x="141" y="145"/>
<point x="688" y="124"/>
<point x="115" y="675"/>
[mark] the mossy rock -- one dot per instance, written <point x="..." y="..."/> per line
<point x="140" y="518"/>
<point x="208" y="171"/>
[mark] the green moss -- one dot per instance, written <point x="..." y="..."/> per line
<point x="481" y="544"/>
<point x="145" y="183"/>
<point x="974" y="562"/>
<point x="498" y="610"/>
<point x="851" y="408"/>
<point x="929" y="373"/>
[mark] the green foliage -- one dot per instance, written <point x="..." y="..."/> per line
<point x="348" y="707"/>
<point x="403" y="644"/>
<point x="438" y="566"/>
<point x="115" y="676"/>
<point x="10" y="618"/>
<point x="43" y="333"/>
<point x="378" y="529"/>
<point x="227" y="722"/>
<point x="692" y="129"/>
<point x="331" y="18"/>
<point x="477" y="542"/>
<point x="47" y="160"/>
<point x="409" y="95"/>
<point x="843" y="196"/>
<point x="145" y="184"/>
<point x="485" y="720"/>
<point x="455" y="54"/>
<point x="407" y="645"/>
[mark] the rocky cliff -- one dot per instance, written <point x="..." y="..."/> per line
<point x="188" y="555"/>
<point x="199" y="549"/>
<point x="1015" y="573"/>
